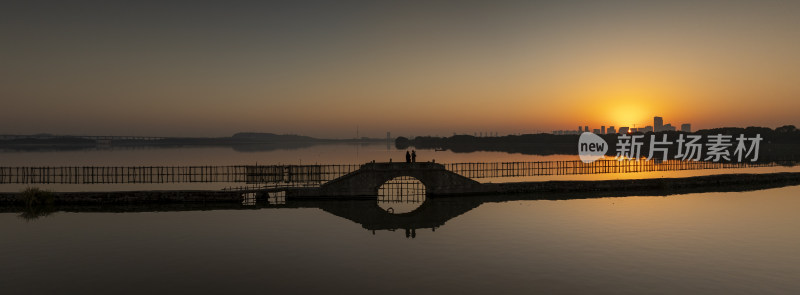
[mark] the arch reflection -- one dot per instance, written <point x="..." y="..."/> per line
<point x="401" y="195"/>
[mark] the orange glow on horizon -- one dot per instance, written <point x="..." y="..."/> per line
<point x="626" y="102"/>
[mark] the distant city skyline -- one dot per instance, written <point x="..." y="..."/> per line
<point x="658" y="125"/>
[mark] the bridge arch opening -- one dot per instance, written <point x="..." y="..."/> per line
<point x="401" y="194"/>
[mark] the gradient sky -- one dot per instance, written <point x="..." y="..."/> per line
<point x="410" y="67"/>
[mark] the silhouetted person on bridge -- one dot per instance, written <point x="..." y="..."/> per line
<point x="413" y="156"/>
<point x="408" y="157"/>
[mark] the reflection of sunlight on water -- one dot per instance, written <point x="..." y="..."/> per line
<point x="644" y="175"/>
<point x="401" y="195"/>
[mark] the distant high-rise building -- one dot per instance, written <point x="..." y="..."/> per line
<point x="585" y="128"/>
<point x="668" y="127"/>
<point x="602" y="129"/>
<point x="658" y="124"/>
<point x="686" y="127"/>
<point x="646" y="129"/>
<point x="597" y="131"/>
<point x="611" y="130"/>
<point x="623" y="130"/>
<point x="580" y="129"/>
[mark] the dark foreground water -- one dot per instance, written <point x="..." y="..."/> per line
<point x="710" y="243"/>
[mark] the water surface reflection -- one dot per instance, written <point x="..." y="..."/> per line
<point x="694" y="242"/>
<point x="401" y="204"/>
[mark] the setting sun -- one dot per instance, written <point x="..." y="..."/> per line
<point x="628" y="115"/>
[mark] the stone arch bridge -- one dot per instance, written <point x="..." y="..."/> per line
<point x="366" y="181"/>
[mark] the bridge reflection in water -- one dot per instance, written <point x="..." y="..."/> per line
<point x="430" y="213"/>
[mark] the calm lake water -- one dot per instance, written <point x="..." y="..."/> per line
<point x="223" y="156"/>
<point x="211" y="156"/>
<point x="708" y="243"/>
<point x="318" y="154"/>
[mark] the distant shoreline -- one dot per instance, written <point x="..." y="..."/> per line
<point x="778" y="144"/>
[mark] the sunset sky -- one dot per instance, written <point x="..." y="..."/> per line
<point x="194" y="68"/>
